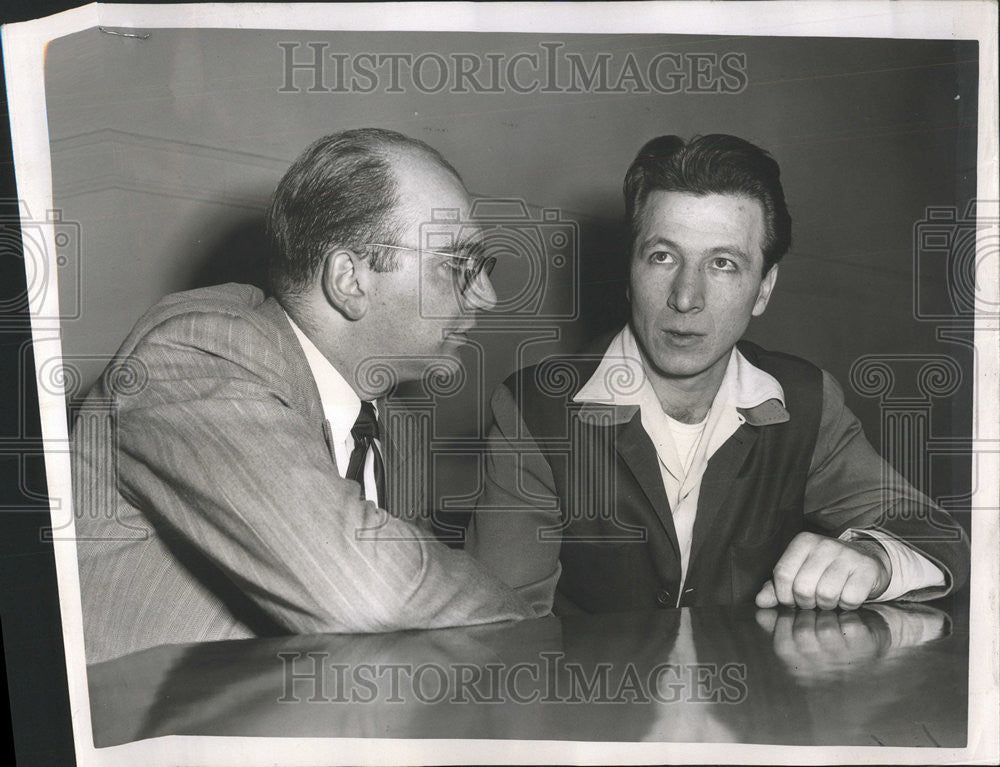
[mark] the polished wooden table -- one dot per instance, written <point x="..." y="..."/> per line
<point x="893" y="675"/>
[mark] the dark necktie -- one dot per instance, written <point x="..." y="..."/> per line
<point x="365" y="432"/>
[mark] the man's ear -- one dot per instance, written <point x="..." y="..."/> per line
<point x="764" y="292"/>
<point x="344" y="283"/>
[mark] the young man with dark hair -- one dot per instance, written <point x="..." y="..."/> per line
<point x="684" y="466"/>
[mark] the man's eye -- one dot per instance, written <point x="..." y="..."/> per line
<point x="662" y="257"/>
<point x="724" y="264"/>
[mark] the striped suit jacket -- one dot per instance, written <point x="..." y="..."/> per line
<point x="208" y="504"/>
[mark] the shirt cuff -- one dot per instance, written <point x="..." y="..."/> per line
<point x="911" y="570"/>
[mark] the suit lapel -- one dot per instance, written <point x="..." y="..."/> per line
<point x="717" y="482"/>
<point x="298" y="374"/>
<point x="403" y="436"/>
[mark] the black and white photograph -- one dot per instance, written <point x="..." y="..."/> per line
<point x="502" y="383"/>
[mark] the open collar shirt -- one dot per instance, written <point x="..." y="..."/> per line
<point x="746" y="394"/>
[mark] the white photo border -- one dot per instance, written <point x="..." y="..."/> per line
<point x="24" y="46"/>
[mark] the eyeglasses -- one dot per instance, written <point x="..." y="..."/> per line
<point x="466" y="273"/>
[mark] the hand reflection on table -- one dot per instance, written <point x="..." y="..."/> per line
<point x="818" y="645"/>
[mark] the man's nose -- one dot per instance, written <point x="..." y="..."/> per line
<point x="687" y="292"/>
<point x="480" y="294"/>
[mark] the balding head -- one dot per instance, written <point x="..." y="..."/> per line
<point x="341" y="191"/>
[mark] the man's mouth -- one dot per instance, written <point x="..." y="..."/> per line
<point x="680" y="338"/>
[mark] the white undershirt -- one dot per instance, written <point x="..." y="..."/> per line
<point x="686" y="437"/>
<point x="683" y="451"/>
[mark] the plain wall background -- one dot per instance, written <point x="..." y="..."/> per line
<point x="166" y="149"/>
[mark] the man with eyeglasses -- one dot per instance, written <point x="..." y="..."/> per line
<point x="240" y="490"/>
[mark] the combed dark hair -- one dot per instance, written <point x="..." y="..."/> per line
<point x="340" y="191"/>
<point x="713" y="164"/>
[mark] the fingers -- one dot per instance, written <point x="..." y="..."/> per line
<point x="820" y="572"/>
<point x="856" y="590"/>
<point x="807" y="580"/>
<point x="766" y="596"/>
<point x="789" y="564"/>
<point x="830" y="584"/>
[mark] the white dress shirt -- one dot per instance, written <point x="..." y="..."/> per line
<point x="341" y="406"/>
<point x="684" y="450"/>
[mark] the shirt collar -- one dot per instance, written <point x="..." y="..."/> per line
<point x="340" y="402"/>
<point x="620" y="380"/>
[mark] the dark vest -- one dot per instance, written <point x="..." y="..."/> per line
<point x="619" y="549"/>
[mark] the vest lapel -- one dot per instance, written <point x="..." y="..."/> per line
<point x="636" y="449"/>
<point x="717" y="481"/>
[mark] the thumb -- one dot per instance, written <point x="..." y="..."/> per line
<point x="766" y="596"/>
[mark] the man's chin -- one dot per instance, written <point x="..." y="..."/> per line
<point x="678" y="367"/>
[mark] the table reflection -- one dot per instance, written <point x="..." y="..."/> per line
<point x="893" y="674"/>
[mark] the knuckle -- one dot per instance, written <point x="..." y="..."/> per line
<point x="829" y="593"/>
<point x="854" y="595"/>
<point x="783" y="572"/>
<point x="802" y="592"/>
